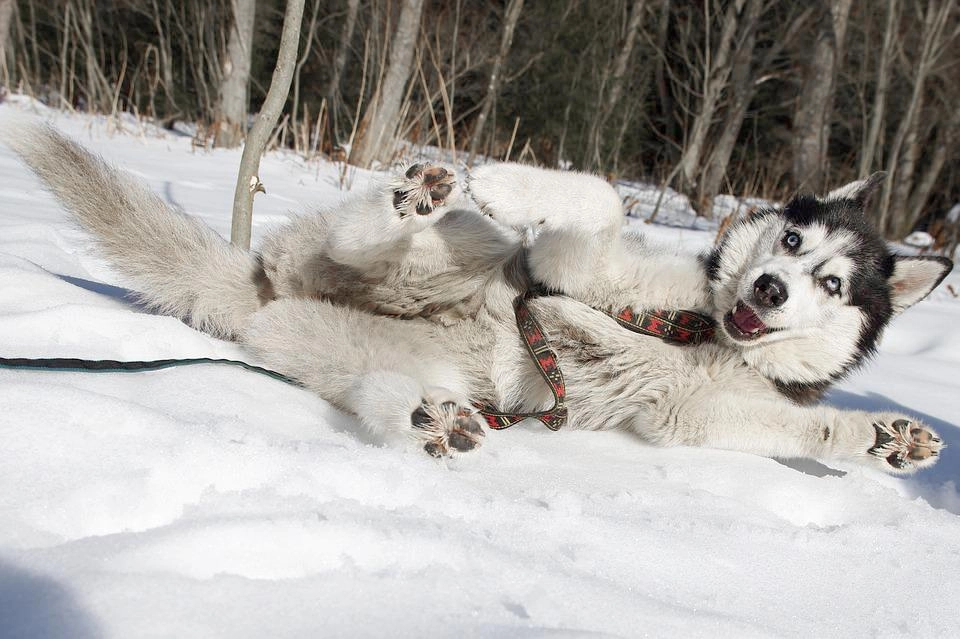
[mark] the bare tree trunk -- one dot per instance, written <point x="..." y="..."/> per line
<point x="663" y="95"/>
<point x="571" y="94"/>
<point x="234" y="98"/>
<point x="450" y="100"/>
<point x="906" y="143"/>
<point x="248" y="183"/>
<point x="872" y="141"/>
<point x="741" y="90"/>
<point x="97" y="86"/>
<point x="921" y="193"/>
<point x="811" y="121"/>
<point x="340" y="63"/>
<point x="607" y="105"/>
<point x="378" y="132"/>
<point x="165" y="49"/>
<point x="64" y="57"/>
<point x="6" y="16"/>
<point x="716" y="73"/>
<point x="307" y="46"/>
<point x="510" y="18"/>
<point x="34" y="43"/>
<point x="946" y="142"/>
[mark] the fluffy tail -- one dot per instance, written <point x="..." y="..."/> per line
<point x="179" y="266"/>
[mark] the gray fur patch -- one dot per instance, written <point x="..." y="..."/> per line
<point x="265" y="290"/>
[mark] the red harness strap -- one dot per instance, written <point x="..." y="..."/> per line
<point x="676" y="327"/>
<point x="546" y="360"/>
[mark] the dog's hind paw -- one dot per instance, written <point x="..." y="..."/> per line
<point x="904" y="446"/>
<point x="422" y="189"/>
<point x="508" y="193"/>
<point x="446" y="426"/>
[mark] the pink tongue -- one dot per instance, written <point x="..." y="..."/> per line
<point x="746" y="320"/>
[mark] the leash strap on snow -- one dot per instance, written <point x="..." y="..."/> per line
<point x="679" y="327"/>
<point x="676" y="327"/>
<point x="114" y="366"/>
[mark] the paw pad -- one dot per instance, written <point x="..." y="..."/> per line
<point x="447" y="427"/>
<point x="422" y="188"/>
<point x="906" y="446"/>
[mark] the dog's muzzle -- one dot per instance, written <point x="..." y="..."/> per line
<point x="769" y="291"/>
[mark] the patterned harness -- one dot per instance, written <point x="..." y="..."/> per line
<point x="684" y="328"/>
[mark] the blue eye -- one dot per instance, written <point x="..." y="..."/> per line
<point x="792" y="240"/>
<point x="831" y="284"/>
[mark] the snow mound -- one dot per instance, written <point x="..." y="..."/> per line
<point x="213" y="502"/>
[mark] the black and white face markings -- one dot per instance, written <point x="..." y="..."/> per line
<point x="822" y="272"/>
<point x="853" y="264"/>
<point x="803" y="290"/>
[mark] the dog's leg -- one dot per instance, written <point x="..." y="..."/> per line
<point x="578" y="218"/>
<point x="774" y="427"/>
<point x="377" y="226"/>
<point x="581" y="249"/>
<point x="393" y="374"/>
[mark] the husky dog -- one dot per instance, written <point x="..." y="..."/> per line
<point x="397" y="306"/>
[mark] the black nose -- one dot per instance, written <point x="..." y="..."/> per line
<point x="769" y="291"/>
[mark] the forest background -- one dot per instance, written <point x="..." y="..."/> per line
<point x="747" y="97"/>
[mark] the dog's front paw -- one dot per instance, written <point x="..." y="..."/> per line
<point x="446" y="426"/>
<point x="508" y="193"/>
<point x="422" y="189"/>
<point x="903" y="446"/>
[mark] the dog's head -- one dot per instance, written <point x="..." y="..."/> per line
<point x="805" y="291"/>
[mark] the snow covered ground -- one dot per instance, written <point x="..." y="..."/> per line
<point x="213" y="502"/>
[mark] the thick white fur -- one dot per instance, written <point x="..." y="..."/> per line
<point x="817" y="334"/>
<point x="381" y="310"/>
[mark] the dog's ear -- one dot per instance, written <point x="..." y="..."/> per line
<point x="859" y="191"/>
<point x="913" y="278"/>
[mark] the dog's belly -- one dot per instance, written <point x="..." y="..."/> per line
<point x="445" y="297"/>
<point x="614" y="378"/>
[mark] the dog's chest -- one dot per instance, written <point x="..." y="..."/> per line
<point x="614" y="377"/>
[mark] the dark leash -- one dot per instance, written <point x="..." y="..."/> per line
<point x="74" y="365"/>
<point x="675" y="327"/>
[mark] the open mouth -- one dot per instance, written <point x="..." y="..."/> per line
<point x="743" y="324"/>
